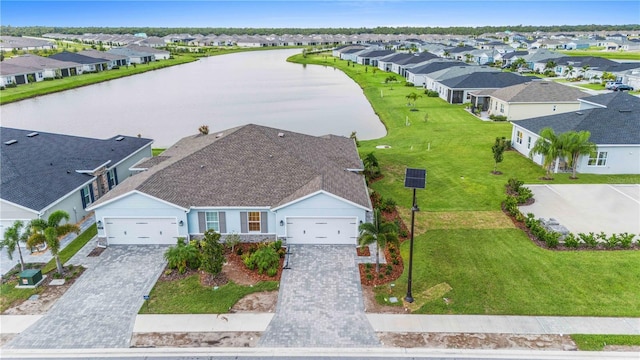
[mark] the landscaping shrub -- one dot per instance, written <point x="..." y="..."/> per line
<point x="181" y="256"/>
<point x="612" y="241"/>
<point x="211" y="252"/>
<point x="264" y="258"/>
<point x="626" y="240"/>
<point x="571" y="241"/>
<point x="552" y="238"/>
<point x="431" y="93"/>
<point x="249" y="261"/>
<point x="511" y="205"/>
<point x="231" y="241"/>
<point x="409" y="84"/>
<point x="498" y="117"/>
<point x="589" y="239"/>
<point x="388" y="205"/>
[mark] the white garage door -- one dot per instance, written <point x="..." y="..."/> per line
<point x="141" y="231"/>
<point x="322" y="231"/>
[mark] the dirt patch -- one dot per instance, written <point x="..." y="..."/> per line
<point x="97" y="251"/>
<point x="478" y="341"/>
<point x="363" y="251"/>
<point x="621" y="348"/>
<point x="197" y="339"/>
<point x="5" y="338"/>
<point x="264" y="301"/>
<point x="372" y="306"/>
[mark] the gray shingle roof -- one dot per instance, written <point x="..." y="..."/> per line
<point x="485" y="80"/>
<point x="538" y="91"/>
<point x="251" y="166"/>
<point x="435" y="66"/>
<point x="38" y="170"/>
<point x="78" y="58"/>
<point x="618" y="123"/>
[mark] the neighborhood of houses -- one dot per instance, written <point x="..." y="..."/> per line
<point x="317" y="193"/>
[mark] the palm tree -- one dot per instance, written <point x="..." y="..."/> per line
<point x="549" y="146"/>
<point x="569" y="72"/>
<point x="550" y="66"/>
<point x="468" y="57"/>
<point x="12" y="237"/>
<point x="49" y="232"/>
<point x="412" y="96"/>
<point x="575" y="144"/>
<point x="379" y="232"/>
<point x="584" y="70"/>
<point x="446" y="54"/>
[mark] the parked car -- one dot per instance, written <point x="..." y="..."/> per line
<point x="622" y="87"/>
<point x="610" y="84"/>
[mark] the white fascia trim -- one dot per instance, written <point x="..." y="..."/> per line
<point x="67" y="195"/>
<point x="132" y="154"/>
<point x="230" y="207"/>
<point x="20" y="206"/>
<point x="91" y="208"/>
<point x="320" y="192"/>
<point x="592" y="103"/>
<point x="94" y="170"/>
<point x="543" y="102"/>
<point x="618" y="145"/>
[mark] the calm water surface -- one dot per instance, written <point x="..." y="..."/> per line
<point x="221" y="92"/>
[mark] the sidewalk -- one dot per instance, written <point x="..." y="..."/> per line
<point x="490" y="324"/>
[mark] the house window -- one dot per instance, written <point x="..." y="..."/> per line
<point x="212" y="221"/>
<point x="86" y="194"/>
<point x="529" y="142"/>
<point x="598" y="158"/>
<point x="254" y="221"/>
<point x="112" y="178"/>
<point x="502" y="108"/>
<point x="519" y="137"/>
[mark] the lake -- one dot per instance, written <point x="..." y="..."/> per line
<point x="225" y="91"/>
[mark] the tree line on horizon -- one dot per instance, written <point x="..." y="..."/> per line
<point x="163" y="31"/>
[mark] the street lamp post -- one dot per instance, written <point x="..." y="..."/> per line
<point x="414" y="179"/>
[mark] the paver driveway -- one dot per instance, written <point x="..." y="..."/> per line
<point x="320" y="301"/>
<point x="99" y="310"/>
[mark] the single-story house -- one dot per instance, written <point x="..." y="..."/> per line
<point x="386" y="63"/>
<point x="432" y="80"/>
<point x="613" y="119"/>
<point x="51" y="68"/>
<point x="44" y="172"/>
<point x="370" y="57"/>
<point x="417" y="75"/>
<point x="158" y="54"/>
<point x="254" y="181"/>
<point x="133" y="56"/>
<point x="458" y="90"/>
<point x="533" y="99"/>
<point x="15" y="74"/>
<point x="89" y="64"/>
<point x="114" y="60"/>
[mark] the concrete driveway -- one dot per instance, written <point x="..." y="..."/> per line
<point x="320" y="301"/>
<point x="588" y="208"/>
<point x="99" y="310"/>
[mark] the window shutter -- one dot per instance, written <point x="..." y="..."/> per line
<point x="91" y="192"/>
<point x="263" y="222"/>
<point x="82" y="195"/>
<point x="244" y="226"/>
<point x="222" y="219"/>
<point x="202" y="223"/>
<point x="115" y="176"/>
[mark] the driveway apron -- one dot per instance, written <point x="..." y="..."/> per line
<point x="320" y="301"/>
<point x="99" y="310"/>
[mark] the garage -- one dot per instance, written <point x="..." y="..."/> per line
<point x="141" y="231"/>
<point x="322" y="230"/>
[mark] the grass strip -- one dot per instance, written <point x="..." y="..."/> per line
<point x="598" y="342"/>
<point x="188" y="296"/>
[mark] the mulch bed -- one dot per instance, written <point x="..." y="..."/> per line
<point x="363" y="251"/>
<point x="369" y="276"/>
<point x="97" y="251"/>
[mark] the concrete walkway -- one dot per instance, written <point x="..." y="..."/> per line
<point x="489" y="324"/>
<point x="320" y="301"/>
<point x="99" y="310"/>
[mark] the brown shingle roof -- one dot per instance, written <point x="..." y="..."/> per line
<point x="251" y="166"/>
<point x="538" y="91"/>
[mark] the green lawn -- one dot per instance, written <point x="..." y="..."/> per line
<point x="491" y="270"/>
<point x="617" y="55"/>
<point x="187" y="296"/>
<point x="157" y="151"/>
<point x="598" y="342"/>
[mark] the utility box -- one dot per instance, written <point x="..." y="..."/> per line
<point x="30" y="277"/>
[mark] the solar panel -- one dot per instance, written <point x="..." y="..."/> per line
<point x="415" y="178"/>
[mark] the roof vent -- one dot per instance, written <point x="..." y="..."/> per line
<point x="280" y="134"/>
<point x="625" y="110"/>
<point x="578" y="113"/>
<point x="10" y="142"/>
<point x="219" y="135"/>
<point x="120" y="138"/>
<point x="35" y="133"/>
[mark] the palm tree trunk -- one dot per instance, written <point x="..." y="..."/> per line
<point x="574" y="167"/>
<point x="59" y="264"/>
<point x="377" y="258"/>
<point x="21" y="259"/>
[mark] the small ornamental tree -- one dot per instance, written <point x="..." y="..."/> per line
<point x="212" y="254"/>
<point x="498" y="149"/>
<point x="49" y="232"/>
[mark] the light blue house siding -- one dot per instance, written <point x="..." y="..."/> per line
<point x="232" y="221"/>
<point x="318" y="205"/>
<point x="138" y="205"/>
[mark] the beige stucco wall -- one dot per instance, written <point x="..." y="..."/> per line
<point x="519" y="111"/>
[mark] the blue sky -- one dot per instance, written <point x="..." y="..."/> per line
<point x="312" y="14"/>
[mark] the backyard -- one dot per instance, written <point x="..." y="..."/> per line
<point x="490" y="266"/>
